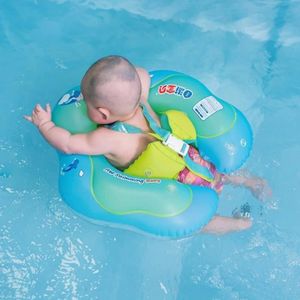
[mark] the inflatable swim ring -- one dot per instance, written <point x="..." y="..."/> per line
<point x="98" y="191"/>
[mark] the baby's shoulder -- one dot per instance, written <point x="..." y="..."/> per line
<point x="112" y="135"/>
<point x="103" y="134"/>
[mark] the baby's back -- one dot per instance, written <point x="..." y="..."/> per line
<point x="129" y="146"/>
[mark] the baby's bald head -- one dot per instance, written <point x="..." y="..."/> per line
<point x="112" y="83"/>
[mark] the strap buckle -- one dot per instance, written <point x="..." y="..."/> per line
<point x="176" y="144"/>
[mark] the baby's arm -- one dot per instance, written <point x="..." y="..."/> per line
<point x="145" y="83"/>
<point x="98" y="141"/>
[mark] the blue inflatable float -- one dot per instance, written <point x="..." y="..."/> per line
<point x="163" y="207"/>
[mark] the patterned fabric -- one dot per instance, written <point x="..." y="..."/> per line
<point x="188" y="177"/>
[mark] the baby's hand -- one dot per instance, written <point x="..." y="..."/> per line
<point x="39" y="116"/>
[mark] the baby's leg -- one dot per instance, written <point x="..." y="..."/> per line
<point x="258" y="186"/>
<point x="223" y="225"/>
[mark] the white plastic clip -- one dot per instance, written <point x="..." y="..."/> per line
<point x="176" y="144"/>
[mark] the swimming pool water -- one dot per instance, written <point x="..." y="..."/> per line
<point x="246" y="52"/>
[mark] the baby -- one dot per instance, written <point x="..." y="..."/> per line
<point x="114" y="90"/>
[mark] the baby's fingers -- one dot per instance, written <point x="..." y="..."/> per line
<point x="28" y="118"/>
<point x="48" y="108"/>
<point x="38" y="108"/>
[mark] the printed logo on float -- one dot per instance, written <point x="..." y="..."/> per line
<point x="174" y="89"/>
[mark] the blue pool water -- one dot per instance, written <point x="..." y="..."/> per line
<point x="246" y="52"/>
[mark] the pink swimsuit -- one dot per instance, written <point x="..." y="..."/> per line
<point x="188" y="177"/>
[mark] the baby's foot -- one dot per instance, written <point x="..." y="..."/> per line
<point x="259" y="188"/>
<point x="243" y="217"/>
<point x="244" y="223"/>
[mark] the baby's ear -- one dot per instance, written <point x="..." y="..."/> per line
<point x="104" y="113"/>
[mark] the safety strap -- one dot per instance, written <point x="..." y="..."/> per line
<point x="168" y="139"/>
